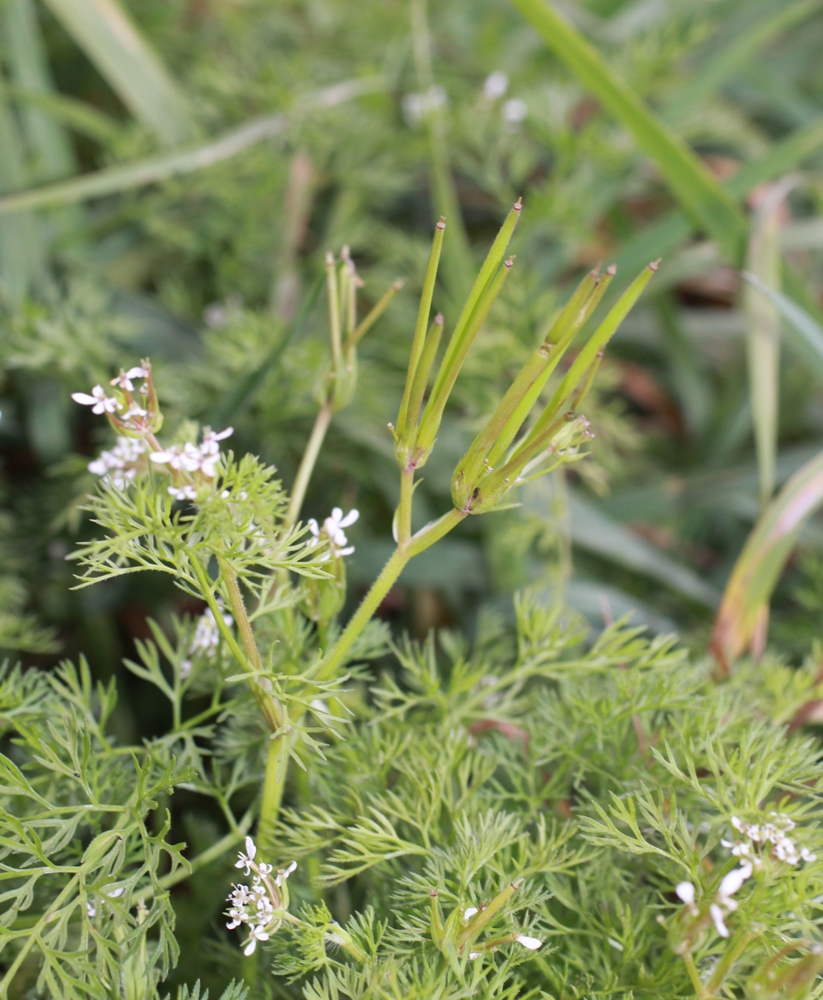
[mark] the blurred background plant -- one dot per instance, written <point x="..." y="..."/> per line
<point x="173" y="175"/>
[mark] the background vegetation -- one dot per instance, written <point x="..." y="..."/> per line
<point x="172" y="184"/>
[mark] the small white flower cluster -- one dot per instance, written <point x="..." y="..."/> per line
<point x="531" y="943"/>
<point x="774" y="834"/>
<point x="256" y="906"/>
<point x="332" y="529"/>
<point x="119" y="466"/>
<point x="514" y="110"/>
<point x="766" y="839"/>
<point x="190" y="460"/>
<point x="126" y="411"/>
<point x="206" y="638"/>
<point x="418" y="107"/>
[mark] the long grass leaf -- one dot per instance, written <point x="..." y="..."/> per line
<point x="599" y="534"/>
<point x="698" y="192"/>
<point x="72" y="114"/>
<point x="663" y="236"/>
<point x="21" y="251"/>
<point x="130" y="66"/>
<point x="127" y="176"/>
<point x="807" y="331"/>
<point x="745" y="600"/>
<point x="763" y="334"/>
<point x="53" y="154"/>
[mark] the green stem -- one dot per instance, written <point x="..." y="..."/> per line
<point x="418" y="543"/>
<point x="273" y="785"/>
<point x="34" y="936"/>
<point x="691" y="968"/>
<point x="404" y="510"/>
<point x="269" y="705"/>
<point x="308" y="462"/>
<point x="727" y="963"/>
<point x="238" y="608"/>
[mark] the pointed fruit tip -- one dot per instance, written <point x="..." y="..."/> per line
<point x="655" y="264"/>
<point x="518" y="204"/>
<point x="611" y="270"/>
<point x="329" y="257"/>
<point x="509" y="263"/>
<point x="438" y="319"/>
<point x="441" y="222"/>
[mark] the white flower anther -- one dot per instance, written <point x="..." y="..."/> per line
<point x="529" y="942"/>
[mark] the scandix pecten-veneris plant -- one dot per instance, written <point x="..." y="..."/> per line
<point x="517" y="818"/>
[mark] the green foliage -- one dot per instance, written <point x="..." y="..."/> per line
<point x="172" y="177"/>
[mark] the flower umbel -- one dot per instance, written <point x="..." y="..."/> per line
<point x="263" y="906"/>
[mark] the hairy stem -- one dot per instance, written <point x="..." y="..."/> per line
<point x="307" y="463"/>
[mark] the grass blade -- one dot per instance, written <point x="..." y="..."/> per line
<point x="593" y="530"/>
<point x="698" y="192"/>
<point x="129" y="65"/>
<point x="808" y="332"/>
<point x="663" y="236"/>
<point x="113" y="180"/>
<point x="21" y="251"/>
<point x="743" y="610"/>
<point x="763" y="333"/>
<point x="54" y="156"/>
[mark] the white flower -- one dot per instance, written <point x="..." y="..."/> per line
<point x="206" y="636"/>
<point x="333" y="529"/>
<point x="210" y="439"/>
<point x="685" y="892"/>
<point x="247" y="860"/>
<point x="417" y="107"/>
<point x="116" y="467"/>
<point x="134" y="411"/>
<point x="806" y="854"/>
<point x="283" y="873"/>
<point x="473" y="955"/>
<point x="183" y="492"/>
<point x="496" y="85"/>
<point x="114" y="893"/>
<point x="255" y="934"/>
<point x="91" y="910"/>
<point x="124" y="379"/>
<point x="514" y="111"/>
<point x="717" y="917"/>
<point x="98" y="400"/>
<point x="469" y="912"/>
<point x="731" y="883"/>
<point x="529" y="942"/>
